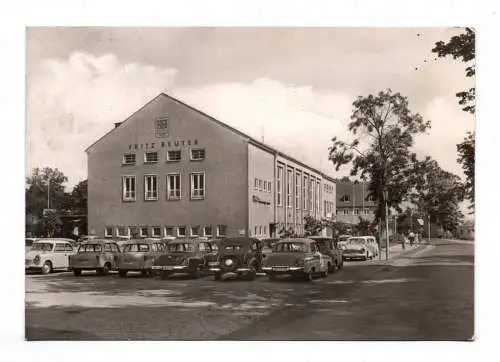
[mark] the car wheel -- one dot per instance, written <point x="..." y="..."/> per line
<point x="217" y="277"/>
<point x="325" y="273"/>
<point x="105" y="270"/>
<point x="77" y="272"/>
<point x="47" y="267"/>
<point x="122" y="273"/>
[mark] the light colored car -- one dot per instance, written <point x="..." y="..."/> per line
<point x="100" y="255"/>
<point x="28" y="242"/>
<point x="46" y="255"/>
<point x="358" y="247"/>
<point x="139" y="255"/>
<point x="296" y="257"/>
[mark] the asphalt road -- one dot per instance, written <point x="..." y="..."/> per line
<point x="425" y="294"/>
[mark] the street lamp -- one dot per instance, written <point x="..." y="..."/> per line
<point x="386" y="196"/>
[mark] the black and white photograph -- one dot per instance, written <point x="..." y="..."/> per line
<point x="250" y="184"/>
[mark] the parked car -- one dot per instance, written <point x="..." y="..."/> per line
<point x="297" y="257"/>
<point x="139" y="255"/>
<point x="100" y="255"/>
<point x="342" y="241"/>
<point x="186" y="256"/>
<point x="239" y="255"/>
<point x="28" y="242"/>
<point x="46" y="255"/>
<point x="358" y="247"/>
<point x="327" y="247"/>
<point x="268" y="245"/>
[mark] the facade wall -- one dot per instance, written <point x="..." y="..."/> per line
<point x="353" y="202"/>
<point x="225" y="168"/>
<point x="261" y="184"/>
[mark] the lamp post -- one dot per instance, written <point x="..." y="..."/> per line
<point x="386" y="194"/>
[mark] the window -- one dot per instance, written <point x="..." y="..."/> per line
<point x="195" y="230"/>
<point x="279" y="187"/>
<point x="260" y="230"/>
<point x="370" y="198"/>
<point x="256" y="183"/>
<point x="107" y="247"/>
<point x="304" y="193"/>
<point x="174" y="186"/>
<point x="198" y="185"/>
<point x="198" y="155"/>
<point x="367" y="211"/>
<point x="221" y="230"/>
<point x="181" y="231"/>
<point x="122" y="231"/>
<point x="108" y="232"/>
<point x="150" y="187"/>
<point x="318" y="201"/>
<point x="311" y="195"/>
<point x="128" y="188"/>
<point x="114" y="248"/>
<point x="255" y="230"/>
<point x="356" y="211"/>
<point x="68" y="247"/>
<point x="297" y="191"/>
<point x="128" y="159"/>
<point x="346" y="211"/>
<point x="207" y="231"/>
<point x="325" y="208"/>
<point x="143" y="231"/>
<point x="151" y="157"/>
<point x="268" y="186"/>
<point x="289" y="188"/>
<point x="174" y="156"/>
<point x="260" y="185"/>
<point x="169" y="231"/>
<point x="345" y="198"/>
<point x="265" y="186"/>
<point x="59" y="247"/>
<point x="265" y="230"/>
<point x="156" y="231"/>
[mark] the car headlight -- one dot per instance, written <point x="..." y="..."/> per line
<point x="228" y="262"/>
<point x="36" y="260"/>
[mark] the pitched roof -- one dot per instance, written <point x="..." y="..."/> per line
<point x="250" y="139"/>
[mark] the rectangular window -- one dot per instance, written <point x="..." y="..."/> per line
<point x="207" y="231"/>
<point x="304" y="193"/>
<point x="265" y="230"/>
<point x="151" y="157"/>
<point x="256" y="183"/>
<point x="174" y="186"/>
<point x="169" y="231"/>
<point x="289" y="188"/>
<point x="265" y="186"/>
<point x="325" y="208"/>
<point x="318" y="196"/>
<point x="255" y="230"/>
<point x="122" y="231"/>
<point x="279" y="187"/>
<point x="143" y="232"/>
<point x="156" y="231"/>
<point x="150" y="188"/>
<point x="297" y="191"/>
<point x="174" y="156"/>
<point x="260" y="185"/>
<point x="195" y="230"/>
<point x="260" y="230"/>
<point x="128" y="159"/>
<point x="108" y="232"/>
<point x="311" y="195"/>
<point x="221" y="230"/>
<point x="198" y="154"/>
<point x="128" y="188"/>
<point x="181" y="231"/>
<point x="197" y="185"/>
<point x="269" y="186"/>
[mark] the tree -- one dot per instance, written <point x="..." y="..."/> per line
<point x="51" y="223"/>
<point x="466" y="157"/>
<point x="79" y="197"/>
<point x="312" y="226"/>
<point x="364" y="227"/>
<point x="383" y="128"/>
<point x="287" y="233"/>
<point x="38" y="193"/>
<point x="463" y="47"/>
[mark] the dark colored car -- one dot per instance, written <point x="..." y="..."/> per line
<point x="327" y="246"/>
<point x="186" y="256"/>
<point x="138" y="255"/>
<point x="241" y="256"/>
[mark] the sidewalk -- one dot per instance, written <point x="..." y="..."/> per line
<point x="396" y="250"/>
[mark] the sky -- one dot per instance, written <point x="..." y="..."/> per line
<point x="293" y="88"/>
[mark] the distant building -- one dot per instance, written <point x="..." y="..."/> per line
<point x="467" y="230"/>
<point x="353" y="202"/>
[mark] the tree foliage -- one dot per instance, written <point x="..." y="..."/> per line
<point x="383" y="128"/>
<point x="466" y="157"/>
<point x="312" y="226"/>
<point x="462" y="47"/>
<point x="37" y="190"/>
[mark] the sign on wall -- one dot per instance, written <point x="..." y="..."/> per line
<point x="162" y="127"/>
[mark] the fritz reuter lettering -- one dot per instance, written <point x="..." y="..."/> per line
<point x="163" y="144"/>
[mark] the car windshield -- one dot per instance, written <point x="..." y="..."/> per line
<point x="90" y="248"/>
<point x="139" y="248"/>
<point x="290" y="247"/>
<point x="357" y="241"/>
<point x="180" y="247"/>
<point x="42" y="246"/>
<point x="28" y="242"/>
<point x="343" y="238"/>
<point x="233" y="247"/>
<point x="322" y="246"/>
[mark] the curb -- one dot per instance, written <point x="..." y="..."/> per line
<point x="402" y="254"/>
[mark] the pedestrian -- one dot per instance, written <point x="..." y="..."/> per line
<point x="411" y="237"/>
<point x="403" y="241"/>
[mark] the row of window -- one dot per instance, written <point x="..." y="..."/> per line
<point x="174" y="189"/>
<point x="347" y="198"/>
<point x="262" y="185"/>
<point x="172" y="156"/>
<point x="162" y="231"/>
<point x="354" y="211"/>
<point x="328" y="207"/>
<point x="329" y="189"/>
<point x="310" y="194"/>
<point x="260" y="230"/>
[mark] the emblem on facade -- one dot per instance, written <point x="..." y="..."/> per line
<point x="161" y="127"/>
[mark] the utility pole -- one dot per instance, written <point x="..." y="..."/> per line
<point x="48" y="193"/>
<point x="429" y="228"/>
<point x="386" y="194"/>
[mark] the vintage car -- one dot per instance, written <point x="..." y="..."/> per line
<point x="326" y="246"/>
<point x="138" y="255"/>
<point x="239" y="255"/>
<point x="46" y="255"/>
<point x="28" y="242"/>
<point x="187" y="256"/>
<point x="342" y="241"/>
<point x="268" y="245"/>
<point x="358" y="247"/>
<point x="100" y="255"/>
<point x="297" y="257"/>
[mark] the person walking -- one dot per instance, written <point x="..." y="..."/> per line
<point x="403" y="241"/>
<point x="412" y="238"/>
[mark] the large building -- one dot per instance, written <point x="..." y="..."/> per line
<point x="353" y="202"/>
<point x="171" y="170"/>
